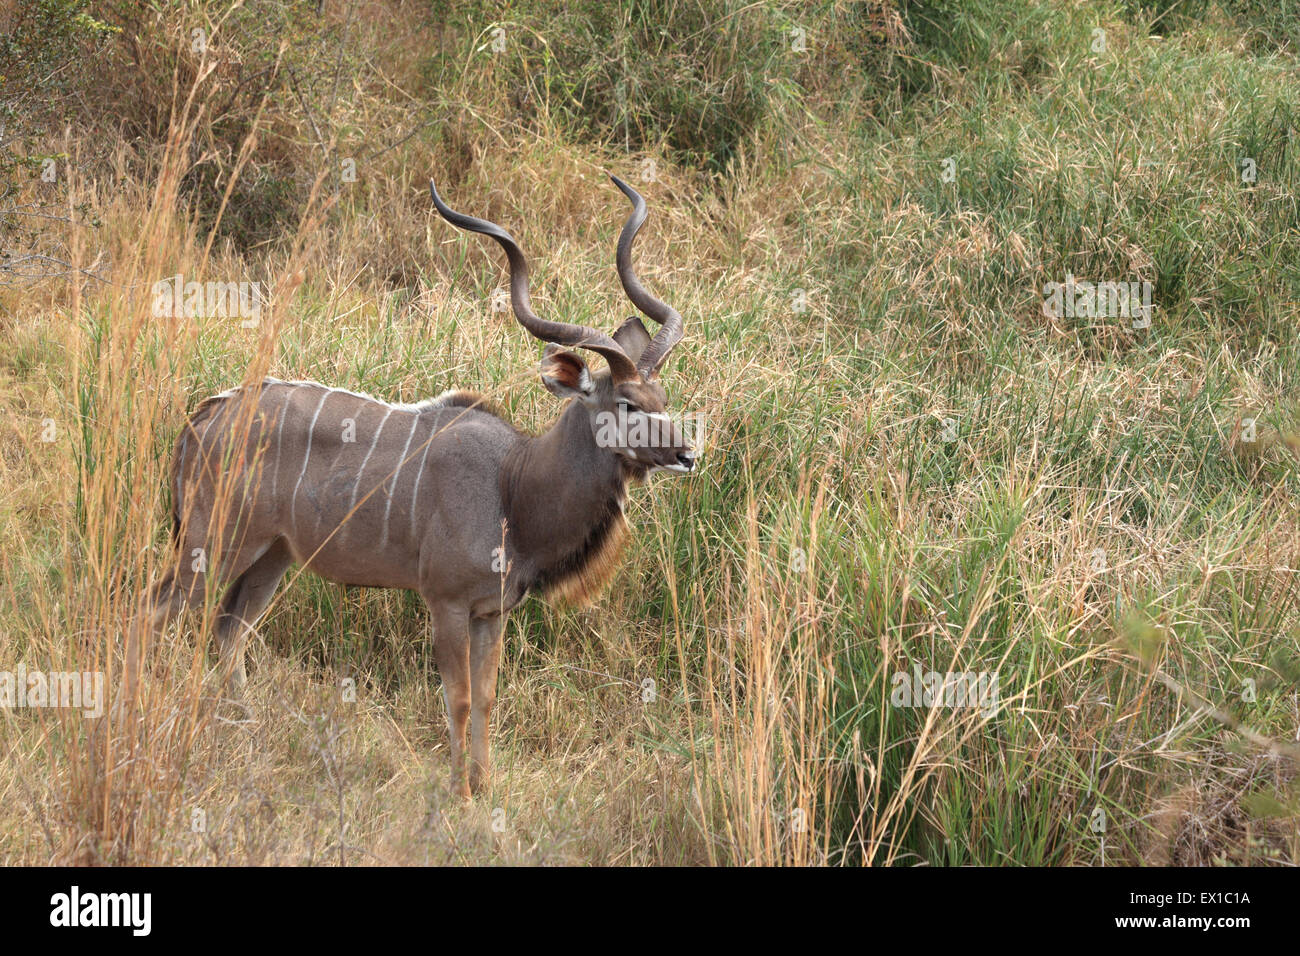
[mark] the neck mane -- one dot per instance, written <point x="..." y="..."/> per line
<point x="563" y="499"/>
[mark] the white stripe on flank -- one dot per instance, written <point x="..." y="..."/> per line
<point x="311" y="430"/>
<point x="205" y="450"/>
<point x="279" y="437"/>
<point x="269" y="382"/>
<point x="418" y="475"/>
<point x="180" y="469"/>
<point x="392" y="487"/>
<point x="373" y="442"/>
<point x="207" y="426"/>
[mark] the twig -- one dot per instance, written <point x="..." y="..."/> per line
<point x="293" y="82"/>
<point x="1223" y="717"/>
<point x="8" y="265"/>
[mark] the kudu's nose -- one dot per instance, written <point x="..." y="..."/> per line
<point x="686" y="459"/>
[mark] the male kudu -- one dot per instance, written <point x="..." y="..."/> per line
<point x="426" y="496"/>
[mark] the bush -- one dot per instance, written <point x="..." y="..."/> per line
<point x="697" y="76"/>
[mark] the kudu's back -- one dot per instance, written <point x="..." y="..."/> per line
<point x="358" y="490"/>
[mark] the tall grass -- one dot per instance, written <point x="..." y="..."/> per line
<point x="907" y="464"/>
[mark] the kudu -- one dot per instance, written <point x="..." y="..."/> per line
<point x="443" y="497"/>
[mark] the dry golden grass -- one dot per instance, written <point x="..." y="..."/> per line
<point x="832" y="540"/>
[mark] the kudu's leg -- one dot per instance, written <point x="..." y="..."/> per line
<point x="451" y="651"/>
<point x="179" y="588"/>
<point x="484" y="656"/>
<point x="243" y="604"/>
<point x="161" y="603"/>
<point x="157" y="606"/>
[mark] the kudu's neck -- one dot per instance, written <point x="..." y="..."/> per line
<point x="563" y="499"/>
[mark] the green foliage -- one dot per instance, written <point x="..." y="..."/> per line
<point x="964" y="551"/>
<point x="40" y="40"/>
<point x="699" y="76"/>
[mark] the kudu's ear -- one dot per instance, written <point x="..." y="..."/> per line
<point x="632" y="335"/>
<point x="565" y="374"/>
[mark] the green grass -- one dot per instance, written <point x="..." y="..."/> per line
<point x="918" y="468"/>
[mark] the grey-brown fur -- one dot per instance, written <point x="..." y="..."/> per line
<point x="422" y="497"/>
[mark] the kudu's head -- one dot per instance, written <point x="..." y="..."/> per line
<point x="626" y="405"/>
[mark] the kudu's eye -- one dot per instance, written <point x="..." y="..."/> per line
<point x="627" y="406"/>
